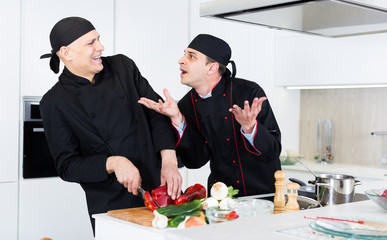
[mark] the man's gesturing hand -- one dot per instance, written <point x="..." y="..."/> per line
<point x="248" y="115"/>
<point x="168" y="108"/>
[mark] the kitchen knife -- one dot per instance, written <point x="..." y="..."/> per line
<point x="142" y="192"/>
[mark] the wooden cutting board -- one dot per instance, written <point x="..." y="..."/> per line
<point x="139" y="215"/>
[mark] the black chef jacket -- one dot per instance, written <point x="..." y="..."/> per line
<point x="85" y="123"/>
<point x="212" y="133"/>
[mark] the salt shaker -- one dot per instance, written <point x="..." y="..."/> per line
<point x="292" y="204"/>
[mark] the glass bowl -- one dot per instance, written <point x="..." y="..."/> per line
<point x="217" y="215"/>
<point x="252" y="207"/>
<point x="375" y="196"/>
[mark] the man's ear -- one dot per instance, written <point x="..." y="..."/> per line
<point x="214" y="67"/>
<point x="64" y="52"/>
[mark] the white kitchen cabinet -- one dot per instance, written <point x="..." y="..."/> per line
<point x="38" y="18"/>
<point x="154" y="34"/>
<point x="53" y="208"/>
<point x="9" y="92"/>
<point x="304" y="60"/>
<point x="8" y="210"/>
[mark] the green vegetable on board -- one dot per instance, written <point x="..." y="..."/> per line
<point x="175" y="210"/>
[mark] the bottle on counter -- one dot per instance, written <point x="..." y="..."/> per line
<point x="292" y="204"/>
<point x="279" y="197"/>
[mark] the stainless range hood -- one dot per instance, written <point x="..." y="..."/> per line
<point x="331" y="18"/>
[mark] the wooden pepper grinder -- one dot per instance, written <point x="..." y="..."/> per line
<point x="292" y="204"/>
<point x="279" y="197"/>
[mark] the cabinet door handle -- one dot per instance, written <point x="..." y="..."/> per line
<point x="38" y="129"/>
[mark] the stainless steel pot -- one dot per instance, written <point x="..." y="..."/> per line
<point x="334" y="189"/>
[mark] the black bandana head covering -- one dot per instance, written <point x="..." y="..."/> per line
<point x="64" y="33"/>
<point x="214" y="48"/>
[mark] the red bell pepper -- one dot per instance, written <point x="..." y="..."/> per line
<point x="160" y="195"/>
<point x="196" y="191"/>
<point x="149" y="203"/>
<point x="158" y="198"/>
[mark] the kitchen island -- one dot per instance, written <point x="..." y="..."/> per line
<point x="278" y="226"/>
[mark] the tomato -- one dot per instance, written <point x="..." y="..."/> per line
<point x="232" y="215"/>
<point x="384" y="194"/>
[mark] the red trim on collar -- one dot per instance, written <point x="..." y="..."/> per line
<point x="193" y="104"/>
<point x="236" y="143"/>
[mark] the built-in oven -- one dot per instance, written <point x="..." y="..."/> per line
<point x="37" y="160"/>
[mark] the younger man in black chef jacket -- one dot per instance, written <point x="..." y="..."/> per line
<point x="98" y="135"/>
<point x="222" y="119"/>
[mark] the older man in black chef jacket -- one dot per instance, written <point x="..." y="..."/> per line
<point x="225" y="120"/>
<point x="98" y="135"/>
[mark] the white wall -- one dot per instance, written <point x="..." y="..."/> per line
<point x="38" y="18"/>
<point x="154" y="34"/>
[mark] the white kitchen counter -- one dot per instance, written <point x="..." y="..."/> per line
<point x="268" y="227"/>
<point x="260" y="227"/>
